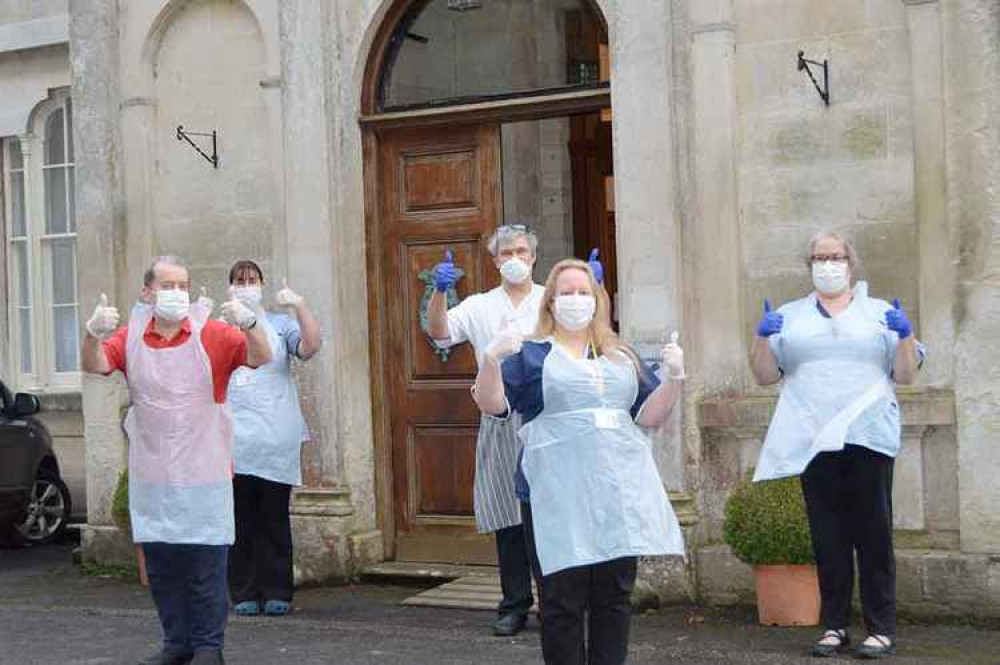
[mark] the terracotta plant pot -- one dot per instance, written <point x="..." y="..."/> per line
<point x="787" y="595"/>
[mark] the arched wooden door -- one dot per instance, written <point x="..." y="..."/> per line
<point x="440" y="189"/>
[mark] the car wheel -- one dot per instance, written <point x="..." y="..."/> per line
<point x="48" y="509"/>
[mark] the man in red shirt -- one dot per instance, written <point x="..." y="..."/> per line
<point x="177" y="362"/>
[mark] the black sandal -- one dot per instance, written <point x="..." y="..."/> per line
<point x="885" y="646"/>
<point x="832" y="643"/>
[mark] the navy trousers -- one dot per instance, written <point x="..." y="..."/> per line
<point x="188" y="584"/>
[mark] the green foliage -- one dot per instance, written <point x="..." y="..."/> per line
<point x="766" y="524"/>
<point x="119" y="503"/>
<point x="123" y="573"/>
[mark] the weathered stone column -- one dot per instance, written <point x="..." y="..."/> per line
<point x="936" y="235"/>
<point x="972" y="93"/>
<point x="334" y="513"/>
<point x="94" y="61"/>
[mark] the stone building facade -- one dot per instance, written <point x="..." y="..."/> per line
<point x="359" y="138"/>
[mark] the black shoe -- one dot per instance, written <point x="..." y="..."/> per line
<point x="207" y="657"/>
<point x="168" y="657"/>
<point x="509" y="624"/>
<point x="876" y="646"/>
<point x="832" y="643"/>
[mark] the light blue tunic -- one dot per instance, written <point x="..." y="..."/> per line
<point x="267" y="422"/>
<point x="837" y="384"/>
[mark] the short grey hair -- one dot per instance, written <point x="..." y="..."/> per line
<point x="852" y="254"/>
<point x="509" y="235"/>
<point x="166" y="260"/>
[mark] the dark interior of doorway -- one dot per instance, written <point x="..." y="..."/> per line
<point x="558" y="176"/>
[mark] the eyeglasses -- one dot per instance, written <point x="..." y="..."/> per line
<point x="513" y="228"/>
<point x="832" y="258"/>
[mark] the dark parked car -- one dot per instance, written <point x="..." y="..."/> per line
<point x="34" y="502"/>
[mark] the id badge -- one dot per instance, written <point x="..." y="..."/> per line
<point x="606" y="419"/>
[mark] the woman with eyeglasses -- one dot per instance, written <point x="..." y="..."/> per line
<point x="595" y="500"/>
<point x="838" y="354"/>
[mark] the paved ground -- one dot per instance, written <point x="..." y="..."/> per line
<point x="51" y="613"/>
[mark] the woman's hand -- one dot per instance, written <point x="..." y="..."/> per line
<point x="672" y="357"/>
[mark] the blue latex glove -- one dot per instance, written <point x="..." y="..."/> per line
<point x="444" y="273"/>
<point x="896" y="320"/>
<point x="596" y="266"/>
<point x="771" y="323"/>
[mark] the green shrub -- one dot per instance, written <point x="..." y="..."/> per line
<point x="766" y="523"/>
<point x="119" y="504"/>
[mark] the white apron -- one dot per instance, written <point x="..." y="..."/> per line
<point x="267" y="421"/>
<point x="180" y="441"/>
<point x="596" y="494"/>
<point x="836" y="379"/>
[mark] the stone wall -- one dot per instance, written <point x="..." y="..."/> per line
<point x="726" y="161"/>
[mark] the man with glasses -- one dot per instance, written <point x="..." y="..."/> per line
<point x="478" y="320"/>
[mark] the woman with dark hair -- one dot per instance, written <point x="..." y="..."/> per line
<point x="838" y="354"/>
<point x="269" y="431"/>
<point x="595" y="498"/>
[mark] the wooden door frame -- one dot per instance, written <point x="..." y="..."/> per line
<point x="373" y="124"/>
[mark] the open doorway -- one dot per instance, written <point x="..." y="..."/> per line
<point x="557" y="174"/>
<point x="474" y="113"/>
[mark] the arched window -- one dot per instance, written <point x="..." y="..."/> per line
<point x="448" y="52"/>
<point x="41" y="231"/>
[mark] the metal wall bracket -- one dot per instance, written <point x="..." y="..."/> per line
<point x="803" y="64"/>
<point x="186" y="136"/>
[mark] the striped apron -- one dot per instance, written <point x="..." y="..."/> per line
<point x="497" y="447"/>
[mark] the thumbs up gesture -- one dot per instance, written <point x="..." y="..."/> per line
<point x="505" y="344"/>
<point x="236" y="313"/>
<point x="897" y="321"/>
<point x="205" y="301"/>
<point x="286" y="297"/>
<point x="771" y="323"/>
<point x="672" y="357"/>
<point x="596" y="266"/>
<point x="104" y="320"/>
<point x="444" y="273"/>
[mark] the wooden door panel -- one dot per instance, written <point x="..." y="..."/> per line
<point x="444" y="460"/>
<point x="439" y="190"/>
<point x="437" y="180"/>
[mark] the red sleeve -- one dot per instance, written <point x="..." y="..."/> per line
<point x="114" y="349"/>
<point x="226" y="347"/>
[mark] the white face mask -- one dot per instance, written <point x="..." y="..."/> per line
<point x="830" y="277"/>
<point x="251" y="295"/>
<point x="574" y="312"/>
<point x="515" y="271"/>
<point x="172" y="304"/>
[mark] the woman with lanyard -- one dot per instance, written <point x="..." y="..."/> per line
<point x="269" y="431"/>
<point x="597" y="502"/>
<point x="837" y="353"/>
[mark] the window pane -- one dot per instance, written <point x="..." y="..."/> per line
<point x="16" y="158"/>
<point x="55" y="200"/>
<point x="55" y="141"/>
<point x="69" y="130"/>
<point x="18" y="224"/>
<point x="71" y="198"/>
<point x="25" y="342"/>
<point x="63" y="272"/>
<point x="451" y="51"/>
<point x="22" y="279"/>
<point x="64" y="329"/>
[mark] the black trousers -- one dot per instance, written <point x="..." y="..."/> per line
<point x="260" y="561"/>
<point x="849" y="502"/>
<point x="586" y="610"/>
<point x="515" y="571"/>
